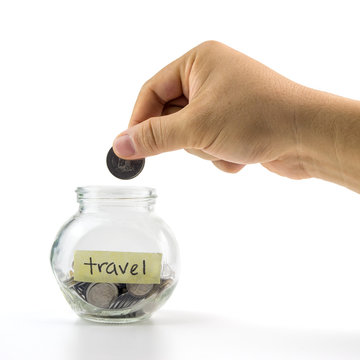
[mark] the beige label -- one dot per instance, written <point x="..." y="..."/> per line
<point x="117" y="267"/>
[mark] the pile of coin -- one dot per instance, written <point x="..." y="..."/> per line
<point x="115" y="296"/>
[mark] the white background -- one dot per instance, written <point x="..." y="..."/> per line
<point x="270" y="266"/>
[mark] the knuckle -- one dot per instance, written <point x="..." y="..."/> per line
<point x="210" y="44"/>
<point x="146" y="86"/>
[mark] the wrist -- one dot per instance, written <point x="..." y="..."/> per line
<point x="328" y="137"/>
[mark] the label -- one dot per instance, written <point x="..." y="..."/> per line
<point x="117" y="267"/>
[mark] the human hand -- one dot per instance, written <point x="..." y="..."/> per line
<point x="220" y="105"/>
<point x="223" y="106"/>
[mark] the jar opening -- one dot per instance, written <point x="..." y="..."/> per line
<point x="115" y="192"/>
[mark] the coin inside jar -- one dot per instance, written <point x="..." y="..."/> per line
<point x="139" y="289"/>
<point x="101" y="294"/>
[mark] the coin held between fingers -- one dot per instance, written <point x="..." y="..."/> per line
<point x="123" y="169"/>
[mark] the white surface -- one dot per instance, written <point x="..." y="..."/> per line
<point x="270" y="266"/>
<point x="172" y="335"/>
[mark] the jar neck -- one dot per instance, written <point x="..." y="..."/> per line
<point x="116" y="206"/>
<point x="115" y="199"/>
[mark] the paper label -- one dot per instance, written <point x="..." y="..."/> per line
<point x="117" y="267"/>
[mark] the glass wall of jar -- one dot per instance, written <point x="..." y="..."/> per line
<point x="115" y="260"/>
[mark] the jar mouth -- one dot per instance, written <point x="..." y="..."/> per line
<point x="115" y="192"/>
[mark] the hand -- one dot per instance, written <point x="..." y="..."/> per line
<point x="220" y="105"/>
<point x="223" y="106"/>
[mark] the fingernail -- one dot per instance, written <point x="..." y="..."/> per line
<point x="124" y="146"/>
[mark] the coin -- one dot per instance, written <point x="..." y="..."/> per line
<point x="124" y="301"/>
<point x="122" y="288"/>
<point x="80" y="288"/>
<point x="69" y="282"/>
<point x="101" y="294"/>
<point x="165" y="283"/>
<point x="139" y="289"/>
<point x="123" y="169"/>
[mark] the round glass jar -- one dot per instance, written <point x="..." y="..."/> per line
<point x="115" y="260"/>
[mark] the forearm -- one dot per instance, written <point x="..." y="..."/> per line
<point x="329" y="138"/>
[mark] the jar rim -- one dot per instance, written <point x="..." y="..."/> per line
<point x="115" y="192"/>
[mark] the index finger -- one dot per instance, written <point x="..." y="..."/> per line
<point x="168" y="84"/>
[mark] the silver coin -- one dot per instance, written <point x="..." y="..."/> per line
<point x="124" y="301"/>
<point x="69" y="282"/>
<point x="101" y="294"/>
<point x="165" y="283"/>
<point x="139" y="289"/>
<point x="80" y="289"/>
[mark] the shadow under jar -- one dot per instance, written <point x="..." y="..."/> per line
<point x="115" y="260"/>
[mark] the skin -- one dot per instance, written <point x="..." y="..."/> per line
<point x="223" y="106"/>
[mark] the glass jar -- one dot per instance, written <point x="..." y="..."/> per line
<point x="115" y="260"/>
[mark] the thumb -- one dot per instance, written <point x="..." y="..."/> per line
<point x="154" y="136"/>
